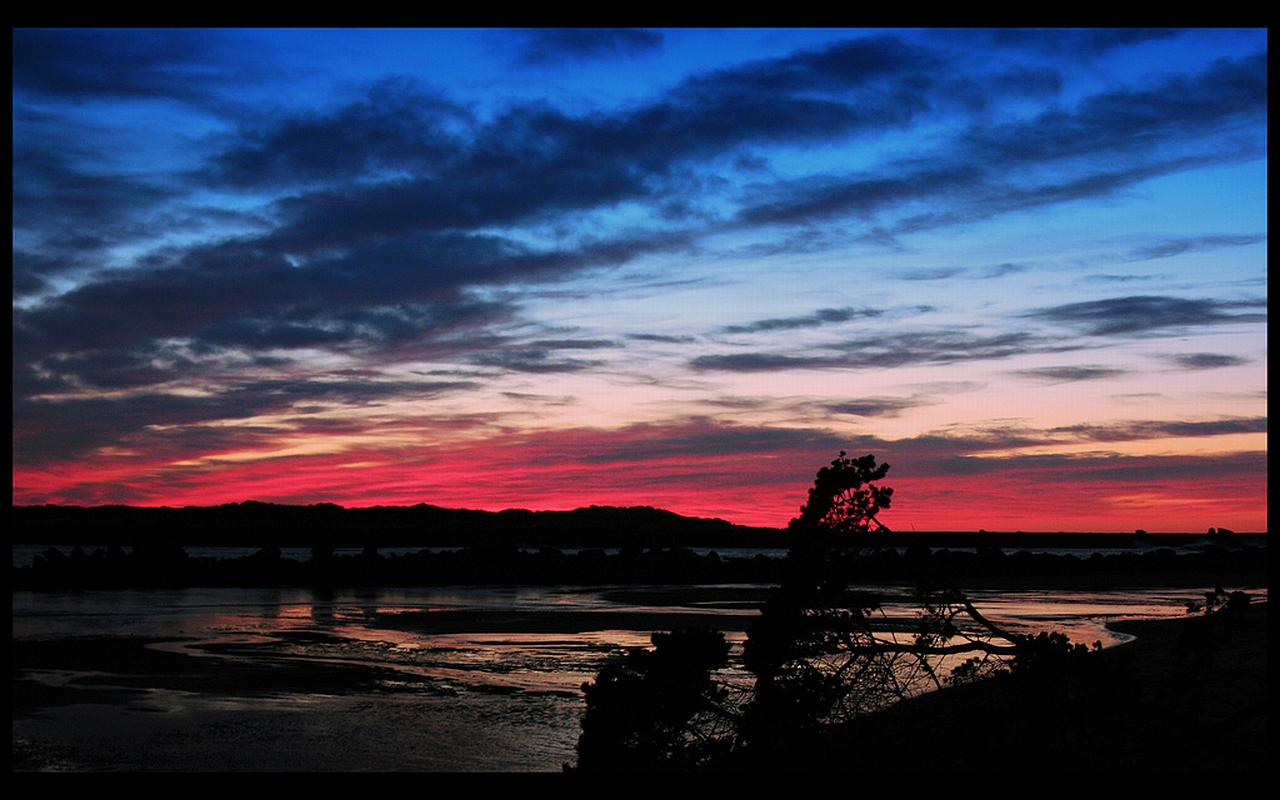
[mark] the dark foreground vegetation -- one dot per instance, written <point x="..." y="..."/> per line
<point x="1187" y="695"/>
<point x="826" y="679"/>
<point x="125" y="547"/>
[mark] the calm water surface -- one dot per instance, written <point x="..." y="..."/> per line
<point x="468" y="679"/>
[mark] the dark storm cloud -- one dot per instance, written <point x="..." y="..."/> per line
<point x="1109" y="278"/>
<point x="698" y="436"/>
<point x="1000" y="270"/>
<point x="457" y="201"/>
<point x="430" y="325"/>
<point x="32" y="272"/>
<point x="1089" y="42"/>
<point x="887" y="351"/>
<point x="399" y="125"/>
<point x="739" y="402"/>
<point x="963" y="451"/>
<point x="51" y="431"/>
<point x="662" y="338"/>
<point x="1140" y="314"/>
<point x="533" y="360"/>
<point x="974" y="167"/>
<point x="224" y="349"/>
<point x="822" y="197"/>
<point x="113" y="369"/>
<point x="885" y="80"/>
<point x="935" y="274"/>
<point x="1072" y="373"/>
<point x="987" y="200"/>
<point x="573" y="344"/>
<point x="237" y="294"/>
<point x="54" y="430"/>
<point x="759" y="362"/>
<point x="378" y="238"/>
<point x="558" y="45"/>
<point x="1127" y="119"/>
<point x="94" y="211"/>
<point x="875" y="406"/>
<point x="1230" y="92"/>
<point x="1173" y="247"/>
<point x="533" y="160"/>
<point x="834" y="68"/>
<point x="942" y="347"/>
<point x="85" y="63"/>
<point x="824" y="316"/>
<point x="810" y="411"/>
<point x="930" y="454"/>
<point x="352" y="389"/>
<point x="540" y="355"/>
<point x="1060" y="469"/>
<point x="1133" y="431"/>
<point x="1206" y="360"/>
<point x="541" y="399"/>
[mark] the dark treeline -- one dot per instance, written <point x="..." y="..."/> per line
<point x="254" y="524"/>
<point x="167" y="565"/>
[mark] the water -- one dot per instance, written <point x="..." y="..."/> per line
<point x="24" y="554"/>
<point x="444" y="679"/>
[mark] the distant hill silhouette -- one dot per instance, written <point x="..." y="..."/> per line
<point x="254" y="524"/>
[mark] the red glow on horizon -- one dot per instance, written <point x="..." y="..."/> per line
<point x="766" y="491"/>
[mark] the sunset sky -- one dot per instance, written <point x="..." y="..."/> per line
<point x="548" y="269"/>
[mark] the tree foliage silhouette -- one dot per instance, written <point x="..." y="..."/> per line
<point x="813" y="651"/>
<point x="821" y="652"/>
<point x="831" y="529"/>
<point x="844" y="497"/>
<point x="658" y="709"/>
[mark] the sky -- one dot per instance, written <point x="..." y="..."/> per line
<point x="548" y="269"/>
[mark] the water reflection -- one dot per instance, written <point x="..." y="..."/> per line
<point x="474" y="677"/>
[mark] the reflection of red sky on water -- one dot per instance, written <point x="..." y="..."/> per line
<point x="574" y="469"/>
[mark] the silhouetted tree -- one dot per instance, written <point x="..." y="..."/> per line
<point x="844" y="497"/>
<point x="800" y="649"/>
<point x="825" y="653"/>
<point x="821" y="652"/>
<point x="659" y="709"/>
